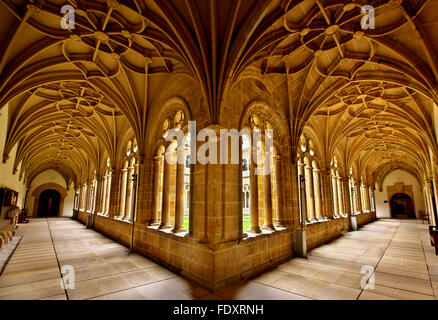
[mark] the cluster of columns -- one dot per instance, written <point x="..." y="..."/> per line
<point x="312" y="182"/>
<point x="126" y="192"/>
<point x="105" y="192"/>
<point x="271" y="183"/>
<point x="85" y="198"/>
<point x="356" y="198"/>
<point x="163" y="196"/>
<point x="338" y="200"/>
<point x="340" y="195"/>
<point x="113" y="195"/>
<point x="430" y="200"/>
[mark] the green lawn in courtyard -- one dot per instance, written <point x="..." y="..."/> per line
<point x="186" y="222"/>
<point x="246" y="221"/>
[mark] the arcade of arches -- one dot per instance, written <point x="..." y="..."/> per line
<point x="347" y="107"/>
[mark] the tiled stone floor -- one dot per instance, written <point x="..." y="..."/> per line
<point x="398" y="250"/>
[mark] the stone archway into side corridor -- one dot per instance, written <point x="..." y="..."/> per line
<point x="400" y="188"/>
<point x="47" y="186"/>
<point x="401" y="206"/>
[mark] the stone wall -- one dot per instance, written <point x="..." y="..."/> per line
<point x="322" y="232"/>
<point x="365" y="218"/>
<point x="210" y="267"/>
<point x="226" y="263"/>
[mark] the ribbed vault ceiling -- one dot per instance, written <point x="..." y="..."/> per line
<point x="366" y="94"/>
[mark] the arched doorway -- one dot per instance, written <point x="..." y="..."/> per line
<point x="48" y="186"/>
<point x="48" y="203"/>
<point x="401" y="206"/>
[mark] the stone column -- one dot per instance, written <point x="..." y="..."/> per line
<point x="86" y="195"/>
<point x="429" y="206"/>
<point x="108" y="193"/>
<point x="93" y="196"/>
<point x="129" y="195"/>
<point x="426" y="198"/>
<point x="98" y="200"/>
<point x="278" y="192"/>
<point x="167" y="180"/>
<point x="216" y="196"/>
<point x="346" y="196"/>
<point x="135" y="181"/>
<point x="142" y="191"/>
<point x="434" y="191"/>
<point x="267" y="178"/>
<point x="432" y="209"/>
<point x="369" y="198"/>
<point x="327" y="193"/>
<point x="155" y="220"/>
<point x="122" y="211"/>
<point x="301" y="189"/>
<point x="114" y="182"/>
<point x="309" y="193"/>
<point x="179" y="204"/>
<point x="340" y="198"/>
<point x="358" y="198"/>
<point x="80" y="197"/>
<point x="103" y="195"/>
<point x="335" y="196"/>
<point x="254" y="203"/>
<point x="91" y="199"/>
<point x="353" y="198"/>
<point x="426" y="201"/>
<point x="317" y="193"/>
<point x="365" y="198"/>
<point x="432" y="194"/>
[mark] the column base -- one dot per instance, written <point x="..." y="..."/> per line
<point x="154" y="223"/>
<point x="279" y="224"/>
<point x="179" y="229"/>
<point x="254" y="229"/>
<point x="164" y="226"/>
<point x="268" y="227"/>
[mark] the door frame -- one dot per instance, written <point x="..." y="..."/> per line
<point x="412" y="214"/>
<point x="37" y="192"/>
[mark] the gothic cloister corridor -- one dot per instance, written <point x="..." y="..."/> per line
<point x="242" y="149"/>
<point x="405" y="264"/>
